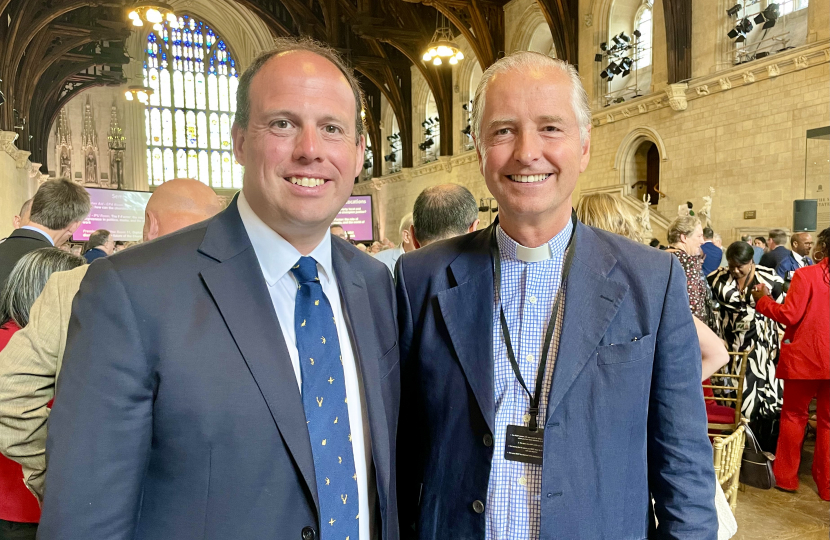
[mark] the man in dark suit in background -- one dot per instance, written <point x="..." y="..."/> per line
<point x="712" y="253"/>
<point x="58" y="208"/>
<point x="246" y="362"/>
<point x="777" y="251"/>
<point x="799" y="257"/>
<point x="558" y="417"/>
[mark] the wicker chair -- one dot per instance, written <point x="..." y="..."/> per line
<point x="735" y="372"/>
<point x="727" y="455"/>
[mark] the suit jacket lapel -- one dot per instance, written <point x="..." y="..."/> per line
<point x="356" y="304"/>
<point x="467" y="309"/>
<point x="241" y="295"/>
<point x="591" y="302"/>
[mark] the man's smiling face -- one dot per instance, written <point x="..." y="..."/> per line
<point x="299" y="149"/>
<point x="530" y="150"/>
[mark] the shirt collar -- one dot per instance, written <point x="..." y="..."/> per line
<point x="30" y="228"/>
<point x="798" y="258"/>
<point x="508" y="248"/>
<point x="275" y="254"/>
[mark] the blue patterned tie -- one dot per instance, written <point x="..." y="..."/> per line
<point x="326" y="406"/>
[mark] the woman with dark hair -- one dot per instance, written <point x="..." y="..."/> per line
<point x="19" y="510"/>
<point x="745" y="329"/>
<point x="805" y="365"/>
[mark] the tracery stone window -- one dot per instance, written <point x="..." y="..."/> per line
<point x="188" y="118"/>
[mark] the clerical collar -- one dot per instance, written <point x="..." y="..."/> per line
<point x="553" y="248"/>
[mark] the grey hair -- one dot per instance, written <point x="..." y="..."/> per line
<point x="442" y="212"/>
<point x="290" y="44"/>
<point x="58" y="203"/>
<point x="779" y="236"/>
<point x="681" y="226"/>
<point x="406" y="221"/>
<point x="530" y="60"/>
<point x="27" y="279"/>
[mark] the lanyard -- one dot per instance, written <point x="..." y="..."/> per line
<point x="540" y="375"/>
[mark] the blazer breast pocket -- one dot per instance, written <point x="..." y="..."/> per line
<point x="624" y="353"/>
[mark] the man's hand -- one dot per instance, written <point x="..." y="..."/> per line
<point x="760" y="291"/>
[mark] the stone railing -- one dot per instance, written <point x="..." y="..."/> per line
<point x="678" y="96"/>
<point x="443" y="163"/>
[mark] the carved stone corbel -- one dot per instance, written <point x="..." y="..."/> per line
<point x="609" y="118"/>
<point x="702" y="90"/>
<point x="21" y="158"/>
<point x="773" y="70"/>
<point x="801" y="62"/>
<point x="34" y="170"/>
<point x="643" y="108"/>
<point x="725" y="83"/>
<point x="7" y="139"/>
<point x="749" y="77"/>
<point x="677" y="96"/>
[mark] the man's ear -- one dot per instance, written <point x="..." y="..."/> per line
<point x="238" y="134"/>
<point x="586" y="150"/>
<point x="414" y="238"/>
<point x="153" y="231"/>
<point x="474" y="226"/>
<point x="359" y="157"/>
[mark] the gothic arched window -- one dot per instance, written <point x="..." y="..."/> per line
<point x="189" y="116"/>
<point x="643" y="23"/>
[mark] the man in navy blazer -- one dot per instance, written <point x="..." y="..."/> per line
<point x="192" y="418"/>
<point x="798" y="257"/>
<point x="621" y="417"/>
<point x="777" y="249"/>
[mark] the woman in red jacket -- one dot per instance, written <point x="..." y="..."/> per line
<point x="805" y="365"/>
<point x="19" y="510"/>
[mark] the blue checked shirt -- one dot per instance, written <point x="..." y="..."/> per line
<point x="528" y="292"/>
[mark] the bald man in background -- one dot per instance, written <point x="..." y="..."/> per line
<point x="31" y="362"/>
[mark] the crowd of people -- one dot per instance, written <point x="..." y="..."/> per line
<point x="256" y="376"/>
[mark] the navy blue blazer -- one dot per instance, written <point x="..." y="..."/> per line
<point x="771" y="259"/>
<point x="625" y="419"/>
<point x="712" y="256"/>
<point x="178" y="415"/>
<point x="789" y="264"/>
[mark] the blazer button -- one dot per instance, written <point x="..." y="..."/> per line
<point x="478" y="507"/>
<point x="308" y="534"/>
<point x="488" y="440"/>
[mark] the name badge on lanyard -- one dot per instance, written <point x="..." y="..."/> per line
<point x="525" y="444"/>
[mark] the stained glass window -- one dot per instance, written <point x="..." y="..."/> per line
<point x="188" y="121"/>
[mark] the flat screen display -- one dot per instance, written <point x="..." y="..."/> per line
<point x="356" y="218"/>
<point x="119" y="212"/>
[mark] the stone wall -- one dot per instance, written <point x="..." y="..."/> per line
<point x="19" y="179"/>
<point x="739" y="129"/>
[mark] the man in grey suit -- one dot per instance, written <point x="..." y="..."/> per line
<point x="248" y="386"/>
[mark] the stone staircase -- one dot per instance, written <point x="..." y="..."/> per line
<point x="659" y="223"/>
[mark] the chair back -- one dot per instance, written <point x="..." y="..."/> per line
<point x="727" y="455"/>
<point x="728" y="389"/>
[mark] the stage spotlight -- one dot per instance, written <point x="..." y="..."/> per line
<point x="626" y="73"/>
<point x="733" y="33"/>
<point x="759" y="18"/>
<point x="603" y="46"/>
<point x="604" y="74"/>
<point x="637" y="33"/>
<point x="746" y="25"/>
<point x="733" y="11"/>
<point x="597" y="57"/>
<point x="769" y="24"/>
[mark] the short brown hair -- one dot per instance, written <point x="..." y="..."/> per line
<point x="284" y="45"/>
<point x="58" y="203"/>
<point x="97" y="239"/>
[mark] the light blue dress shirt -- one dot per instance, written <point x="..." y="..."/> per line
<point x="30" y="228"/>
<point x="528" y="293"/>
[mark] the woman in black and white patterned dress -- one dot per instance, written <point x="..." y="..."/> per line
<point x="745" y="329"/>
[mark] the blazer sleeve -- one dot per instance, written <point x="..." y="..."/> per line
<point x="408" y="476"/>
<point x="794" y="306"/>
<point x="100" y="428"/>
<point x="680" y="468"/>
<point x="28" y="366"/>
